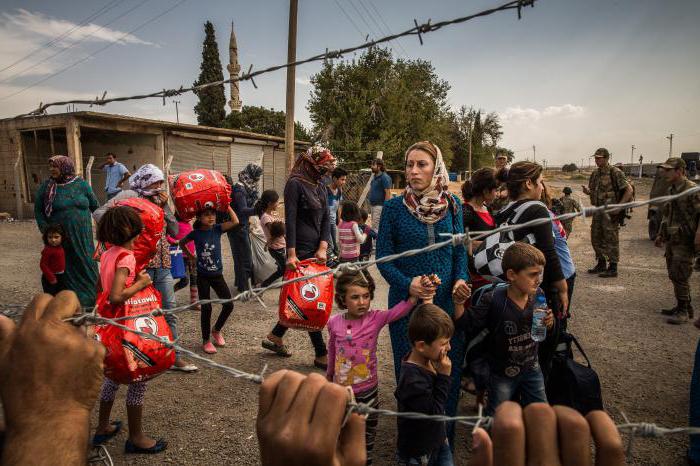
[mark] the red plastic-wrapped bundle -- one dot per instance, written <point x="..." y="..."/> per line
<point x="153" y="219"/>
<point x="306" y="304"/>
<point x="130" y="357"/>
<point x="196" y="190"/>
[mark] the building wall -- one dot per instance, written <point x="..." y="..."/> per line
<point x="9" y="150"/>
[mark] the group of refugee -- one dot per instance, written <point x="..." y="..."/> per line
<point x="432" y="317"/>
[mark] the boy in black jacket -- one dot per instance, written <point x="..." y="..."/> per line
<point x="506" y="311"/>
<point x="423" y="387"/>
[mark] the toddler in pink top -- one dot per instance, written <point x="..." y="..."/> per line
<point x="352" y="341"/>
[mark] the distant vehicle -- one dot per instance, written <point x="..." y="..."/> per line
<point x="692" y="163"/>
<point x="655" y="212"/>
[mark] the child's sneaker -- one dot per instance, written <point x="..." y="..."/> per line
<point x="218" y="338"/>
<point x="209" y="348"/>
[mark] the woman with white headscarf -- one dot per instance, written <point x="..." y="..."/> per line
<point x="416" y="219"/>
<point x="148" y="183"/>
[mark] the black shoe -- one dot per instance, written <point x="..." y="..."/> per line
<point x="670" y="312"/>
<point x="600" y="267"/>
<point x="611" y="271"/>
<point x="160" y="446"/>
<point x="679" y="319"/>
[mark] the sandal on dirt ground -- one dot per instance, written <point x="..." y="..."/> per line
<point x="320" y="365"/>
<point x="161" y="445"/>
<point x="189" y="368"/>
<point x="281" y="350"/>
<point x="99" y="439"/>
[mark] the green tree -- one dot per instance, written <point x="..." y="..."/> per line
<point x="377" y="103"/>
<point x="210" y="109"/>
<point x="264" y="121"/>
<point x="485" y="134"/>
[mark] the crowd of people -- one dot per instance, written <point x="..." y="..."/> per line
<point x="436" y="322"/>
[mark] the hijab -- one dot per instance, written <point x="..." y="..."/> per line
<point x="430" y="205"/>
<point x="66" y="167"/>
<point x="144" y="177"/>
<point x="313" y="164"/>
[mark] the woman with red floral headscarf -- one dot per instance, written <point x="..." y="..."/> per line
<point x="67" y="199"/>
<point x="307" y="231"/>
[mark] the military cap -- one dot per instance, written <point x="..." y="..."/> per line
<point x="674" y="163"/>
<point x="602" y="152"/>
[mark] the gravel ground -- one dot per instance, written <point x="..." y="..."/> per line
<point x="209" y="418"/>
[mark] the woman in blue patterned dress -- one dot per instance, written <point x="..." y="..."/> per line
<point x="414" y="220"/>
<point x="67" y="199"/>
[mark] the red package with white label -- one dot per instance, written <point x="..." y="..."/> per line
<point x="130" y="357"/>
<point x="153" y="219"/>
<point x="196" y="190"/>
<point x="306" y="304"/>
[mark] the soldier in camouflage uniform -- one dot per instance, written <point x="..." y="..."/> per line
<point x="678" y="231"/>
<point x="607" y="185"/>
<point x="569" y="205"/>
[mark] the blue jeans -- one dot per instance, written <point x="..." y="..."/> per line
<point x="111" y="195"/>
<point x="439" y="457"/>
<point x="332" y="246"/>
<point x="164" y="283"/>
<point x="529" y="384"/>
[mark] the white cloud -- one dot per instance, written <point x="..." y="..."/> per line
<point x="22" y="32"/>
<point x="520" y="114"/>
<point x="28" y="101"/>
<point x="303" y="81"/>
<point x="40" y="24"/>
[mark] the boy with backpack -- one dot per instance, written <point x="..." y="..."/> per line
<point x="506" y="311"/>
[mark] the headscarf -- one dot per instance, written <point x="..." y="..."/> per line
<point x="313" y="164"/>
<point x="144" y="177"/>
<point x="249" y="178"/>
<point x="66" y="167"/>
<point x="430" y="205"/>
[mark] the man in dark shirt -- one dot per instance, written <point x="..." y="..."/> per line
<point x="379" y="191"/>
<point x="506" y="311"/>
<point x="423" y="387"/>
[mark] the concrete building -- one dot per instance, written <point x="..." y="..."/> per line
<point x="27" y="143"/>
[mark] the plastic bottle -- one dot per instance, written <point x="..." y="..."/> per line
<point x="539" y="330"/>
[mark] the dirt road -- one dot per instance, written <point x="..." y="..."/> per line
<point x="209" y="418"/>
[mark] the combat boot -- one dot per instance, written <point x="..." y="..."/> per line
<point x="670" y="312"/>
<point x="600" y="267"/>
<point x="611" y="272"/>
<point x="681" y="316"/>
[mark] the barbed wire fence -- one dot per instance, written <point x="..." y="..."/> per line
<point x="89" y="316"/>
<point x="418" y="30"/>
<point x="633" y="430"/>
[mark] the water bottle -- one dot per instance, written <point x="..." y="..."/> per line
<point x="539" y="330"/>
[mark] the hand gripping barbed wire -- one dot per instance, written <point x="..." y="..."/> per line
<point x="642" y="429"/>
<point x="418" y="30"/>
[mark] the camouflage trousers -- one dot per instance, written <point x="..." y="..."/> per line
<point x="679" y="263"/>
<point x="605" y="238"/>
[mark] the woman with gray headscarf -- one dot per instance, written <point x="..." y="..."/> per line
<point x="147" y="182"/>
<point x="245" y="195"/>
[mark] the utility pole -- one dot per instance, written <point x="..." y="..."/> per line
<point x="632" y="156"/>
<point x="291" y="76"/>
<point x="470" y="149"/>
<point x="534" y="156"/>
<point x="177" y="113"/>
<point x="670" y="145"/>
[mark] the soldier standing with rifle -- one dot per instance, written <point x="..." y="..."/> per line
<point x="607" y="185"/>
<point x="679" y="233"/>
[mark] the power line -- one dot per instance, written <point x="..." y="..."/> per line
<point x="388" y="29"/>
<point x="418" y="30"/>
<point x="111" y="4"/>
<point x="82" y="60"/>
<point x="362" y="34"/>
<point x="374" y="21"/>
<point x="65" y="49"/>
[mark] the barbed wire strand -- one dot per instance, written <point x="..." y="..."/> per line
<point x="641" y="429"/>
<point x="418" y="30"/>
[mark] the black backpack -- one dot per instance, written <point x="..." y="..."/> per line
<point x="570" y="383"/>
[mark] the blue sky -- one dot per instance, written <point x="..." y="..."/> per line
<point x="571" y="76"/>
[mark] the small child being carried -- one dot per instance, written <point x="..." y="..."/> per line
<point x="352" y="341"/>
<point x="53" y="260"/>
<point x="207" y="241"/>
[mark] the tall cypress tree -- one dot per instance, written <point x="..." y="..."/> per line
<point x="212" y="101"/>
